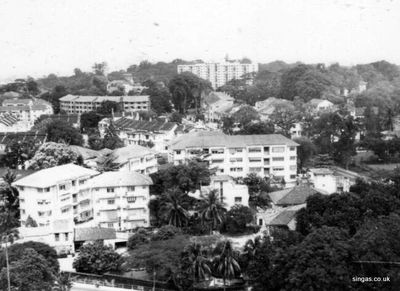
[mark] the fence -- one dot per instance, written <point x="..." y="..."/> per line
<point x="116" y="281"/>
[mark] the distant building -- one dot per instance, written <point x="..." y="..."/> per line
<point x="125" y="87"/>
<point x="292" y="196"/>
<point x="220" y="73"/>
<point x="319" y="105"/>
<point x="333" y="179"/>
<point x="120" y="200"/>
<point x="18" y="115"/>
<point x="238" y="155"/>
<point x="81" y="104"/>
<point x="32" y="137"/>
<point x="72" y="119"/>
<point x="284" y="220"/>
<point x="216" y="105"/>
<point x="133" y="158"/>
<point x="158" y="132"/>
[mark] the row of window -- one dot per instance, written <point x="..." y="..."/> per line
<point x="252" y="160"/>
<point x="238" y="150"/>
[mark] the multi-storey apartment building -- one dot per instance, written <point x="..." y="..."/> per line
<point x="220" y="73"/>
<point x="56" y="193"/>
<point x="120" y="200"/>
<point x="81" y="104"/>
<point x="238" y="155"/>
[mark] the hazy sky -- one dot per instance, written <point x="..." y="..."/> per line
<point x="38" y="37"/>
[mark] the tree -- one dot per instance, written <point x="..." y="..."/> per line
<point x="176" y="117"/>
<point x="305" y="151"/>
<point x="111" y="139"/>
<point x="166" y="232"/>
<point x="30" y="272"/>
<point x="30" y="222"/>
<point x="196" y="262"/>
<point x="95" y="142"/>
<point x="226" y="261"/>
<point x="173" y="208"/>
<point x="245" y="115"/>
<point x="61" y="131"/>
<point x="258" y="187"/>
<point x="137" y="239"/>
<point x="257" y="128"/>
<point x="8" y="193"/>
<point x="237" y="219"/>
<point x="108" y="107"/>
<point x="160" y="98"/>
<point x="100" y="68"/>
<point x="53" y="154"/>
<point x="211" y="209"/>
<point x="284" y="119"/>
<point x="90" y="119"/>
<point x="17" y="153"/>
<point x="63" y="282"/>
<point x="97" y="258"/>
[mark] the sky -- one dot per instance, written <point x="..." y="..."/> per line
<point x="39" y="37"/>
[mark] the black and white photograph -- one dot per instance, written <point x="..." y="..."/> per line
<point x="199" y="145"/>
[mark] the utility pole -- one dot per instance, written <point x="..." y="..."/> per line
<point x="7" y="267"/>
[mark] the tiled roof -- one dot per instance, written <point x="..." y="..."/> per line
<point x="30" y="136"/>
<point x="70" y="118"/>
<point x="292" y="196"/>
<point x="55" y="175"/>
<point x="94" y="233"/>
<point x="85" y="152"/>
<point x="8" y="119"/>
<point x="17" y="101"/>
<point x="122" y="155"/>
<point x="151" y="126"/>
<point x="283" y="218"/>
<point x="120" y="179"/>
<point x="99" y="99"/>
<point x="216" y="139"/>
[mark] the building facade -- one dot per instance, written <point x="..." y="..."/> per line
<point x="120" y="200"/>
<point x="220" y="73"/>
<point x="56" y="193"/>
<point x="81" y="104"/>
<point x="270" y="155"/>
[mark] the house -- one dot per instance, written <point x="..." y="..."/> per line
<point x="80" y="104"/>
<point x="266" y="107"/>
<point x="157" y="132"/>
<point x="292" y="196"/>
<point x="320" y="105"/>
<point x="120" y="200"/>
<point x="216" y="104"/>
<point x="132" y="158"/>
<point x="56" y="193"/>
<point x="285" y="220"/>
<point x="230" y="192"/>
<point x="84" y="235"/>
<point x="238" y="155"/>
<point x="296" y="131"/>
<point x="333" y="179"/>
<point x="125" y="87"/>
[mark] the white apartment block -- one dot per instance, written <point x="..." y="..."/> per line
<point x="238" y="155"/>
<point x="56" y="193"/>
<point x="219" y="73"/>
<point x="81" y="104"/>
<point x="120" y="200"/>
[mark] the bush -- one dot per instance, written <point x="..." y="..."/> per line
<point x="166" y="232"/>
<point x="237" y="219"/>
<point x="139" y="238"/>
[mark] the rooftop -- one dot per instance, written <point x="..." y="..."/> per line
<point x="99" y="99"/>
<point x="55" y="175"/>
<point x="123" y="155"/>
<point x="218" y="139"/>
<point x="292" y="196"/>
<point x="94" y="233"/>
<point x="153" y="125"/>
<point x="283" y="218"/>
<point x="120" y="179"/>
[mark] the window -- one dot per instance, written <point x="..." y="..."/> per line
<point x="278" y="159"/>
<point x="81" y="182"/>
<point x="22" y="211"/>
<point x="40" y="190"/>
<point x="292" y="177"/>
<point x="293" y="158"/>
<point x="57" y="237"/>
<point x="21" y="188"/>
<point x="292" y="148"/>
<point x="110" y="190"/>
<point x="217" y="151"/>
<point x="47" y="189"/>
<point x="62" y="187"/>
<point x="65" y="210"/>
<point x="278" y="149"/>
<point x="254" y="160"/>
<point x="41" y="213"/>
<point x="111" y="201"/>
<point x="73" y="183"/>
<point x="131" y="188"/>
<point x="278" y="169"/>
<point x="178" y="152"/>
<point x="131" y="199"/>
<point x="110" y="224"/>
<point x="236" y="169"/>
<point x="238" y="199"/>
<point x="66" y="236"/>
<point x="293" y="168"/>
<point x="255" y="169"/>
<point x="219" y="161"/>
<point x="255" y="150"/>
<point x="266" y="149"/>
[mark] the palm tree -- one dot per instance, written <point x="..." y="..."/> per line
<point x="8" y="192"/>
<point x="211" y="209"/>
<point x="63" y="282"/>
<point x="198" y="263"/>
<point x="225" y="262"/>
<point x="173" y="207"/>
<point x="250" y="251"/>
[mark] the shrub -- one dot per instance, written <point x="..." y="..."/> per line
<point x="166" y="232"/>
<point x="139" y="238"/>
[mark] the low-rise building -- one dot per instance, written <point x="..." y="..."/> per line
<point x="238" y="155"/>
<point x="81" y="104"/>
<point x="320" y="105"/>
<point x="333" y="179"/>
<point x="51" y="194"/>
<point x="157" y="132"/>
<point x="292" y="196"/>
<point x="120" y="200"/>
<point x="216" y="105"/>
